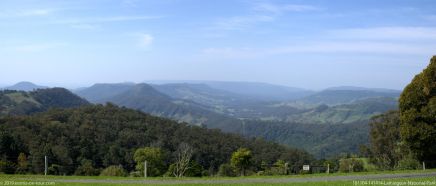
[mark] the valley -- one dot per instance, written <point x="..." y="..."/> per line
<point x="317" y="122"/>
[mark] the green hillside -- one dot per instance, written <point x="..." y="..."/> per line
<point x="323" y="141"/>
<point x="109" y="135"/>
<point x="279" y="121"/>
<point x="14" y="102"/>
<point x="343" y="96"/>
<point x="147" y="99"/>
<point x="358" y="111"/>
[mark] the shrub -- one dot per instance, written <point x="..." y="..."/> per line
<point x="86" y="169"/>
<point x="136" y="174"/>
<point x="196" y="170"/>
<point x="226" y="170"/>
<point x="56" y="169"/>
<point x="408" y="163"/>
<point x="7" y="167"/>
<point x="113" y="170"/>
<point x="351" y="165"/>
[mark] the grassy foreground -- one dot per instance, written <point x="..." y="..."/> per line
<point x="239" y="181"/>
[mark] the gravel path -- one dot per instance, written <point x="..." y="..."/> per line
<point x="290" y="179"/>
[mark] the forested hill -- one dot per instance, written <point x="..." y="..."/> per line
<point x="147" y="99"/>
<point x="14" y="102"/>
<point x="109" y="135"/>
<point x="336" y="96"/>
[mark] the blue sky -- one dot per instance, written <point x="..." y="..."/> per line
<point x="301" y="43"/>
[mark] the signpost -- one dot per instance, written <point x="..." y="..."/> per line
<point x="306" y="167"/>
<point x="145" y="169"/>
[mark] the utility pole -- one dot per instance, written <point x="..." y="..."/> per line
<point x="45" y="167"/>
<point x="423" y="165"/>
<point x="145" y="169"/>
<point x="286" y="168"/>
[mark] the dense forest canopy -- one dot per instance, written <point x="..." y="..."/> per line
<point x="110" y="135"/>
<point x="316" y="122"/>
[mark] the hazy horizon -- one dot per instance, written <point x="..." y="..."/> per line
<point x="160" y="82"/>
<point x="306" y="44"/>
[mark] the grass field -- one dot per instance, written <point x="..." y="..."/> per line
<point x="366" y="178"/>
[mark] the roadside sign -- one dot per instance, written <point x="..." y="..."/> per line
<point x="306" y="167"/>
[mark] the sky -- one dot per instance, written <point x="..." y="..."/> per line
<point x="312" y="44"/>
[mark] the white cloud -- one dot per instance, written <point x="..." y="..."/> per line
<point x="85" y="26"/>
<point x="278" y="9"/>
<point x="430" y="17"/>
<point x="36" y="47"/>
<point x="376" y="40"/>
<point x="241" y="22"/>
<point x="145" y="41"/>
<point x="129" y="3"/>
<point x="90" y="20"/>
<point x="387" y="33"/>
<point x="358" y="47"/>
<point x="26" y="13"/>
<point x="232" y="53"/>
<point x="322" y="48"/>
<point x="36" y="12"/>
<point x="263" y="13"/>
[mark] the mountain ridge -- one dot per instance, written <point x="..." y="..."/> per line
<point x="24" y="86"/>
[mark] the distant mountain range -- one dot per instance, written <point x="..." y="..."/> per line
<point x="344" y="96"/>
<point x="24" y="86"/>
<point x="147" y="99"/>
<point x="337" y="111"/>
<point x="363" y="88"/>
<point x="201" y="104"/>
<point x="252" y="90"/>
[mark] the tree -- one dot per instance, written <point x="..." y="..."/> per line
<point x="195" y="170"/>
<point x="226" y="170"/>
<point x="86" y="169"/>
<point x="183" y="158"/>
<point x="22" y="163"/>
<point x="385" y="140"/>
<point x="241" y="159"/>
<point x="155" y="160"/>
<point x="418" y="113"/>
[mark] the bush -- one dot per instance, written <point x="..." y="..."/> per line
<point x="196" y="170"/>
<point x="7" y="167"/>
<point x="351" y="165"/>
<point x="113" y="170"/>
<point x="56" y="169"/>
<point x="226" y="170"/>
<point x="86" y="169"/>
<point x="279" y="168"/>
<point x="408" y="164"/>
<point x="136" y="174"/>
